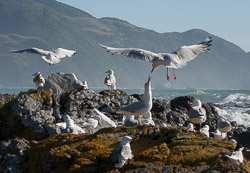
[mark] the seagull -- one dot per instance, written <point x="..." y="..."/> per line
<point x="110" y="80"/>
<point x="130" y="121"/>
<point x="218" y="135"/>
<point x="223" y="125"/>
<point x="51" y="57"/>
<point x="197" y="114"/>
<point x="147" y="119"/>
<point x="123" y="152"/>
<point x="236" y="157"/>
<point x="174" y="60"/>
<point x="39" y="80"/>
<point x="205" y="130"/>
<point x="75" y="83"/>
<point x="190" y="127"/>
<point x="142" y="106"/>
<point x="71" y="127"/>
<point x="92" y="122"/>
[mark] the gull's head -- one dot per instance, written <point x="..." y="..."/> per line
<point x="36" y="74"/>
<point x="148" y="83"/>
<point x="126" y="139"/>
<point x="110" y="71"/>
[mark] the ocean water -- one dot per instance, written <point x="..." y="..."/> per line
<point x="232" y="104"/>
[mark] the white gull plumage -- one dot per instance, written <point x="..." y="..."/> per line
<point x="142" y="106"/>
<point x="236" y="157"/>
<point x="147" y="119"/>
<point x="51" y="57"/>
<point x="92" y="122"/>
<point x="105" y="118"/>
<point x="110" y="80"/>
<point x="39" y="80"/>
<point x="190" y="127"/>
<point x="197" y="114"/>
<point x="174" y="60"/>
<point x="71" y="127"/>
<point x="205" y="130"/>
<point x="130" y="121"/>
<point x="123" y="152"/>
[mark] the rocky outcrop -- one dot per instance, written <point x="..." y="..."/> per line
<point x="154" y="148"/>
<point x="59" y="83"/>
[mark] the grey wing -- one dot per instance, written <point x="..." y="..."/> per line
<point x="184" y="54"/>
<point x="117" y="153"/>
<point x="32" y="50"/>
<point x="135" y="53"/>
<point x="132" y="107"/>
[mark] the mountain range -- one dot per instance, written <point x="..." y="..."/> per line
<point x="49" y="24"/>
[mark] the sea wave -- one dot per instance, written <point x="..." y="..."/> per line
<point x="237" y="114"/>
<point x="237" y="100"/>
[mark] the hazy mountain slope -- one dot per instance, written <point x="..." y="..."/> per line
<point x="48" y="24"/>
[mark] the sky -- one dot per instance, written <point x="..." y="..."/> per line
<point x="228" y="19"/>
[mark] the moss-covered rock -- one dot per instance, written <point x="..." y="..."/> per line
<point x="158" y="147"/>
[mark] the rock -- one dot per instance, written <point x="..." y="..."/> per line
<point x="93" y="153"/>
<point x="12" y="153"/>
<point x="59" y="83"/>
<point x="5" y="98"/>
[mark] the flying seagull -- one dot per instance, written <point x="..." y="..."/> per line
<point x="51" y="57"/>
<point x="174" y="60"/>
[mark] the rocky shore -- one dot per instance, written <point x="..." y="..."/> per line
<point x="30" y="140"/>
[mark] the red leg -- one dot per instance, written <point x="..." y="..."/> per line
<point x="174" y="74"/>
<point x="167" y="74"/>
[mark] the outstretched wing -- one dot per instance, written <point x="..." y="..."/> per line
<point x="135" y="53"/>
<point x="62" y="53"/>
<point x="184" y="54"/>
<point x="32" y="50"/>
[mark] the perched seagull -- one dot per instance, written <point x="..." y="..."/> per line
<point x="236" y="157"/>
<point x="218" y="135"/>
<point x="147" y="119"/>
<point x="223" y="125"/>
<point x="39" y="80"/>
<point x="110" y="80"/>
<point x="190" y="127"/>
<point x="205" y="130"/>
<point x="174" y="60"/>
<point x="123" y="152"/>
<point x="197" y="114"/>
<point x="71" y="127"/>
<point x="142" y="106"/>
<point x="92" y="122"/>
<point x="130" y="121"/>
<point x="51" y="57"/>
<point x="85" y="84"/>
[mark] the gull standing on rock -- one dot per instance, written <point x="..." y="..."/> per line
<point x="51" y="57"/>
<point x="39" y="80"/>
<point x="223" y="125"/>
<point x="142" y="106"/>
<point x="123" y="152"/>
<point x="218" y="135"/>
<point x="197" y="114"/>
<point x="174" y="60"/>
<point x="236" y="157"/>
<point x="71" y="127"/>
<point x="92" y="122"/>
<point x="110" y="80"/>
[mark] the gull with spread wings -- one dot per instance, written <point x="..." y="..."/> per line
<point x="51" y="57"/>
<point x="174" y="60"/>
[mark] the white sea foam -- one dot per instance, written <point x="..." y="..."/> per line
<point x="239" y="100"/>
<point x="235" y="114"/>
